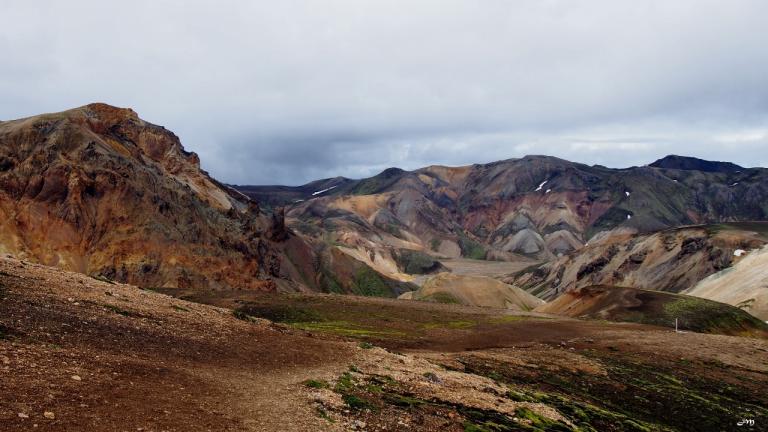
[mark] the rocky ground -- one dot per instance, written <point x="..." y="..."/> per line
<point x="83" y="354"/>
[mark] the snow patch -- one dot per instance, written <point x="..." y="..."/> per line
<point x="629" y="216"/>
<point x="548" y="191"/>
<point x="541" y="185"/>
<point x="626" y="193"/>
<point x="735" y="184"/>
<point x="739" y="252"/>
<point x="322" y="191"/>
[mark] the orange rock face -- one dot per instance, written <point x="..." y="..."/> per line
<point x="100" y="191"/>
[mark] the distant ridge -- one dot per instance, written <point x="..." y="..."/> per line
<point x="695" y="164"/>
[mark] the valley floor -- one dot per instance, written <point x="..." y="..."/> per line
<point x="81" y="354"/>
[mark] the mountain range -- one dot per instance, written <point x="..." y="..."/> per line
<point x="100" y="191"/>
<point x="537" y="206"/>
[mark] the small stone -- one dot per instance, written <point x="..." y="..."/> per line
<point x="22" y="415"/>
<point x="76" y="378"/>
<point x="49" y="415"/>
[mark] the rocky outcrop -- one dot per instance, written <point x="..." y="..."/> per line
<point x="100" y="191"/>
<point x="670" y="260"/>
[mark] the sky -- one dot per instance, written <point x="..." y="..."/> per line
<point x="285" y="92"/>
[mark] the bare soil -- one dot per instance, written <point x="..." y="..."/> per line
<point x="108" y="357"/>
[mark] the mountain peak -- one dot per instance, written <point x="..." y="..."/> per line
<point x="692" y="163"/>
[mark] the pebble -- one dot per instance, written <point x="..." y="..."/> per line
<point x="49" y="415"/>
<point x="76" y="378"/>
<point x="22" y="415"/>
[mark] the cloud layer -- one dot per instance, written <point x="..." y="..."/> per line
<point x="287" y="92"/>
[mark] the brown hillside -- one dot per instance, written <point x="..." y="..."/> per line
<point x="100" y="191"/>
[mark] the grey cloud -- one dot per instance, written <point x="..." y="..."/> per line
<point x="286" y="92"/>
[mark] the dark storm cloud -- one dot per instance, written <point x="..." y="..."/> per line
<point x="290" y="91"/>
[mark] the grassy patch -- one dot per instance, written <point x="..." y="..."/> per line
<point x="345" y="328"/>
<point x="280" y="313"/>
<point x="441" y="297"/>
<point x="317" y="384"/>
<point x="357" y="403"/>
<point x="708" y="317"/>
<point x="504" y="319"/>
<point x="633" y="396"/>
<point x="179" y="308"/>
<point x="403" y="401"/>
<point x="459" y="324"/>
<point x="324" y="415"/>
<point x="470" y="248"/>
<point x="417" y="262"/>
<point x="370" y="283"/>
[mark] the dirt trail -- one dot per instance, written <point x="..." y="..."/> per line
<point x="82" y="354"/>
<point x="273" y="400"/>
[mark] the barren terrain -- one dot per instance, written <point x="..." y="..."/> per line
<point x="82" y="354"/>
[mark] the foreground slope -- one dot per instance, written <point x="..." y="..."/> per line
<point x="81" y="354"/>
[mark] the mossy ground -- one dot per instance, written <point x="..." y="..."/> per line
<point x="637" y="394"/>
<point x="383" y="324"/>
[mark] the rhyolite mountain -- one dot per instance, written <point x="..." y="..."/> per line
<point x="100" y="191"/>
<point x="538" y="206"/>
<point x="672" y="260"/>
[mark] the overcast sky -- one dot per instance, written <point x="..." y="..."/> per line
<point x="284" y="92"/>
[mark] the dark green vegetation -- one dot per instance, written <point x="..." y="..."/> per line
<point x="708" y="316"/>
<point x="368" y="282"/>
<point x="383" y="322"/>
<point x="317" y="384"/>
<point x="441" y="297"/>
<point x="629" y="393"/>
<point x="636" y="394"/>
<point x="470" y="248"/>
<point x="660" y="308"/>
<point x="417" y="262"/>
<point x="342" y="274"/>
<point x="378" y="399"/>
